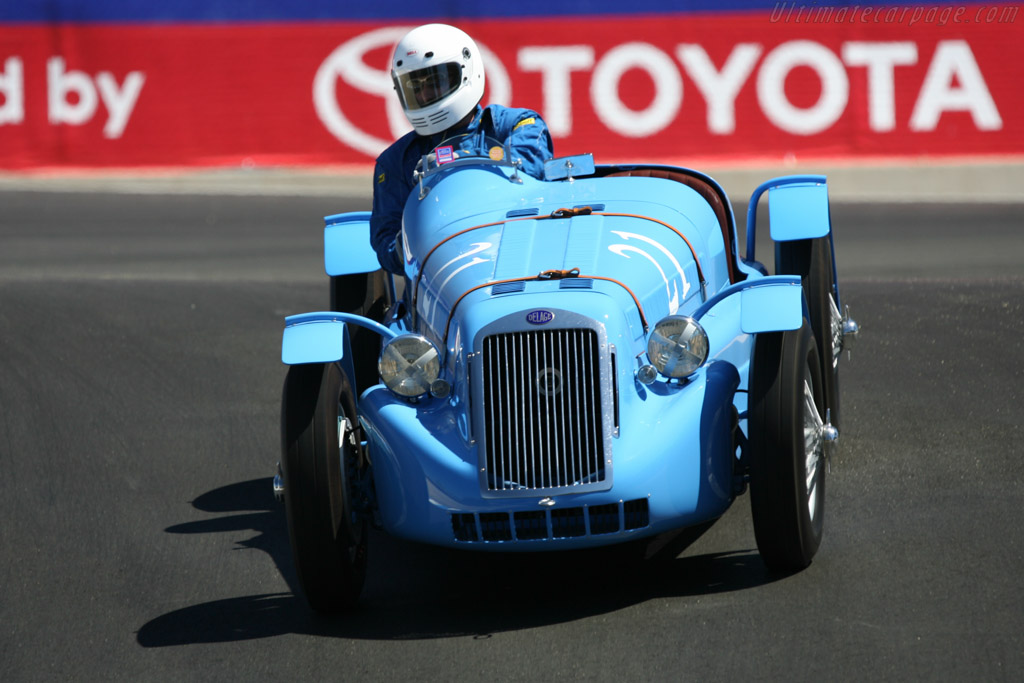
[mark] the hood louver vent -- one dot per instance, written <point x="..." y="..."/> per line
<point x="507" y="288"/>
<point x="576" y="283"/>
<point x="518" y="213"/>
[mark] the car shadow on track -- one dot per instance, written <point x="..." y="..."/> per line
<point x="415" y="591"/>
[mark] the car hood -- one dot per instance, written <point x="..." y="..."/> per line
<point x="477" y="236"/>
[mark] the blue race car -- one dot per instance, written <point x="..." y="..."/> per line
<point x="579" y="361"/>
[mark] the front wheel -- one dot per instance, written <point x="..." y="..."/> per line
<point x="367" y="295"/>
<point x="321" y="461"/>
<point x="812" y="261"/>
<point x="787" y="465"/>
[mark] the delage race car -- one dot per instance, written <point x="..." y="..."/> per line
<point x="578" y="361"/>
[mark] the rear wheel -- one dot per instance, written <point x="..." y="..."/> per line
<point x="321" y="461"/>
<point x="787" y="464"/>
<point x="812" y="261"/>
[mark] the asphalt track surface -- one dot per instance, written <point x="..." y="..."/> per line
<point x="139" y="400"/>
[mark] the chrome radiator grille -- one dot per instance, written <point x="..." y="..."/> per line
<point x="542" y="413"/>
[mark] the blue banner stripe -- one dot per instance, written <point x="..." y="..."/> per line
<point x="214" y="11"/>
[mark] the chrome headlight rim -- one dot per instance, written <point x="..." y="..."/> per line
<point x="677" y="346"/>
<point x="408" y="365"/>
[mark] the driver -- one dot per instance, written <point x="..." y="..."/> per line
<point x="439" y="78"/>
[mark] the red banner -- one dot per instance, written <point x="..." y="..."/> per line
<point x="670" y="88"/>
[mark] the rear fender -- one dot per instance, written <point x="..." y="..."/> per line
<point x="347" y="248"/>
<point x="798" y="209"/>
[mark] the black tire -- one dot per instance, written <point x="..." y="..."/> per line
<point x="369" y="296"/>
<point x="329" y="541"/>
<point x="812" y="261"/>
<point x="787" y="510"/>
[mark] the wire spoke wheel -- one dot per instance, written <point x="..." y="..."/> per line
<point x="787" y="463"/>
<point x="321" y="462"/>
<point x="813" y="448"/>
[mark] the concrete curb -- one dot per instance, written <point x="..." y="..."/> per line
<point x="982" y="182"/>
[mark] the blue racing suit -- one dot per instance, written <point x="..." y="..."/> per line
<point x="524" y="131"/>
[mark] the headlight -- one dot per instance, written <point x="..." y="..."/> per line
<point x="409" y="364"/>
<point x="678" y="346"/>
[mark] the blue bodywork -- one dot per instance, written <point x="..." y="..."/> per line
<point x="494" y="254"/>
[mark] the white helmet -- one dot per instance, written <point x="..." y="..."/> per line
<point x="438" y="75"/>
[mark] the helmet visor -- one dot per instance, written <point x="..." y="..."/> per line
<point x="424" y="87"/>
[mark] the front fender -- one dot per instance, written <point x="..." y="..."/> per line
<point x="323" y="337"/>
<point x="767" y="304"/>
<point x="313" y="338"/>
